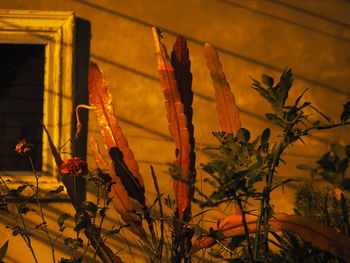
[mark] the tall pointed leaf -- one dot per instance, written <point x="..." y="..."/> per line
<point x="225" y="101"/>
<point x="182" y="67"/>
<point x="177" y="123"/>
<point x="181" y="62"/>
<point x="124" y="206"/>
<point x="119" y="195"/>
<point x="101" y="100"/>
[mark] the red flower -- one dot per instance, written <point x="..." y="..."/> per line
<point x="23" y="147"/>
<point x="74" y="167"/>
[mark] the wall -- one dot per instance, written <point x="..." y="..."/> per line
<point x="252" y="37"/>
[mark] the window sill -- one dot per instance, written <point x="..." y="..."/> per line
<point x="46" y="185"/>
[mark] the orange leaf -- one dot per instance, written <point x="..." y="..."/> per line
<point x="113" y="137"/>
<point x="124" y="206"/>
<point x="100" y="161"/>
<point x="323" y="237"/>
<point x="182" y="66"/>
<point x="225" y="101"/>
<point x="101" y="100"/>
<point x="177" y="123"/>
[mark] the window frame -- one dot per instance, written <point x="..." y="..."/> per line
<point x="55" y="30"/>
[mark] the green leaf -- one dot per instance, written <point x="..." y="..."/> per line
<point x="267" y="80"/>
<point x="305" y="104"/>
<point x="265" y="94"/>
<point x="339" y="150"/>
<point x="345" y="184"/>
<point x="62" y="228"/>
<point x="284" y="86"/>
<point x="317" y="123"/>
<point x="3" y="250"/>
<point x="21" y="188"/>
<point x="57" y="191"/>
<point x="329" y="119"/>
<point x="219" y="136"/>
<point x="304" y="167"/>
<point x="68" y="241"/>
<point x="82" y="220"/>
<point x="62" y="218"/>
<point x="40" y="225"/>
<point x="299" y="98"/>
<point x="243" y="135"/>
<point x="79" y="242"/>
<point x="90" y="206"/>
<point x="265" y="136"/>
<point x="346" y="112"/>
<point x="276" y="119"/>
<point x="292" y="114"/>
<point x="24" y="210"/>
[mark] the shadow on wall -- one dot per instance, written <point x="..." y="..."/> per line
<point x="83" y="35"/>
<point x="222" y="50"/>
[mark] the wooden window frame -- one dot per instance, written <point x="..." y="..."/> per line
<point x="55" y="30"/>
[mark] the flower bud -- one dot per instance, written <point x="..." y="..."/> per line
<point x="23" y="147"/>
<point x="74" y="167"/>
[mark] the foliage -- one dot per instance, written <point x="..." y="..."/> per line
<point x="241" y="172"/>
<point x="332" y="206"/>
<point x="236" y="168"/>
<point x="239" y="163"/>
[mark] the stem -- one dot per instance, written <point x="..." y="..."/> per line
<point x="94" y="219"/>
<point x="149" y="221"/>
<point x="98" y="247"/>
<point x="246" y="229"/>
<point x="265" y="201"/>
<point x="324" y="127"/>
<point x="79" y="125"/>
<point x="25" y="236"/>
<point x="161" y="240"/>
<point x="98" y="199"/>
<point x="41" y="209"/>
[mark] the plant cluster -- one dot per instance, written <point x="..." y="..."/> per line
<point x="242" y="171"/>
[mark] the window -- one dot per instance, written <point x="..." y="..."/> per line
<point x="21" y="103"/>
<point x="44" y="92"/>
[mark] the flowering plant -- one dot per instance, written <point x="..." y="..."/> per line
<point x="238" y="164"/>
<point x="74" y="167"/>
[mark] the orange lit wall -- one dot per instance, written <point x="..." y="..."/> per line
<point x="252" y="37"/>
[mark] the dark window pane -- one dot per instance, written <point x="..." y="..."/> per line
<point x="21" y="103"/>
